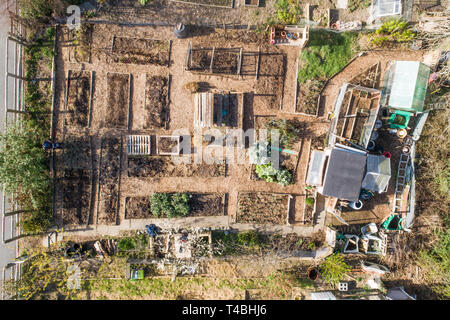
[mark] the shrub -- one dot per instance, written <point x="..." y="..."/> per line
<point x="334" y="268"/>
<point x="248" y="238"/>
<point x="143" y="2"/>
<point x="287" y="11"/>
<point x="126" y="244"/>
<point x="395" y="30"/>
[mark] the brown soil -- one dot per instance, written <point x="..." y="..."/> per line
<point x="269" y="87"/>
<point x="77" y="195"/>
<point x="159" y="167"/>
<point x="262" y="208"/>
<point x="109" y="179"/>
<point x="167" y="145"/>
<point x="118" y="100"/>
<point x="308" y="95"/>
<point x="141" y="51"/>
<point x="82" y="41"/>
<point x="156" y="101"/>
<point x="78" y="98"/>
<point x="226" y="61"/>
<point x="137" y="208"/>
<point x="252" y="2"/>
<point x="77" y="152"/>
<point x="204" y="204"/>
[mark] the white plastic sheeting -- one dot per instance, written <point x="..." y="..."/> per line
<point x="378" y="173"/>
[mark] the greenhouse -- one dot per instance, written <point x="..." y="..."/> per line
<point x="405" y="86"/>
<point x="382" y="8"/>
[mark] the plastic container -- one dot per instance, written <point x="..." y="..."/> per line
<point x="356" y="205"/>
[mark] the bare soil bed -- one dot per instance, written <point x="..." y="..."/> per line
<point x="77" y="152"/>
<point x="159" y="167"/>
<point x="156" y="101"/>
<point x="201" y="204"/>
<point x="76" y="196"/>
<point x="109" y="175"/>
<point x="269" y="88"/>
<point x="226" y="61"/>
<point x="262" y="208"/>
<point x="118" y="100"/>
<point x="82" y="43"/>
<point x="141" y="51"/>
<point x="308" y="95"/>
<point x="78" y="98"/>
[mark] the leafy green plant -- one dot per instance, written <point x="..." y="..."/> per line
<point x="287" y="11"/>
<point x="334" y="268"/>
<point x="288" y="132"/>
<point x="126" y="244"/>
<point x="395" y="30"/>
<point x="169" y="205"/>
<point x="266" y="172"/>
<point x="284" y="177"/>
<point x="143" y="2"/>
<point x="309" y="201"/>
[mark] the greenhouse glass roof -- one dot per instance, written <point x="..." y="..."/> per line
<point x="381" y="8"/>
<point x="407" y="85"/>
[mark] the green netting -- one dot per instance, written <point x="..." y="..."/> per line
<point x="393" y="222"/>
<point x="408" y="85"/>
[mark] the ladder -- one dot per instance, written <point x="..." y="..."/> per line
<point x="138" y="145"/>
<point x="400" y="182"/>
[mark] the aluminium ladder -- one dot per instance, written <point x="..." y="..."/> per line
<point x="138" y="145"/>
<point x="400" y="182"/>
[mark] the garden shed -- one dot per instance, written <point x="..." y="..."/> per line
<point x="344" y="172"/>
<point x="378" y="173"/>
<point x="405" y="85"/>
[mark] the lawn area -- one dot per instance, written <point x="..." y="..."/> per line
<point x="326" y="54"/>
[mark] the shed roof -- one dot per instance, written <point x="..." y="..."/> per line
<point x="344" y="174"/>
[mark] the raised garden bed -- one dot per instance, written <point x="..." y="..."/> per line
<point x="118" y="100"/>
<point x="159" y="167"/>
<point x="156" y="101"/>
<point x="77" y="153"/>
<point x="214" y="60"/>
<point x="310" y="203"/>
<point x="270" y="84"/>
<point x="141" y="51"/>
<point x="82" y="43"/>
<point x="201" y="204"/>
<point x="78" y="98"/>
<point x="109" y="177"/>
<point x="76" y="196"/>
<point x="308" y="97"/>
<point x="168" y="145"/>
<point x="262" y="208"/>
